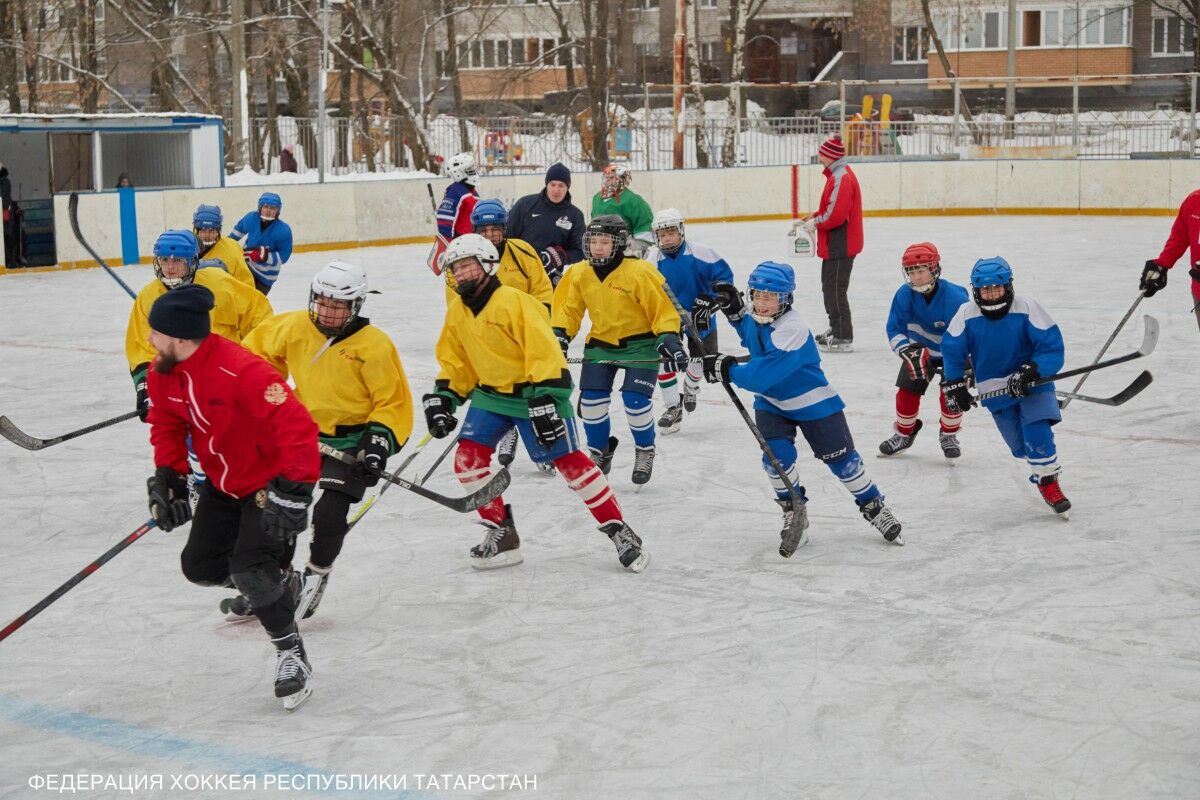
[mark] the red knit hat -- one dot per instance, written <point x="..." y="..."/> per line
<point x="833" y="148"/>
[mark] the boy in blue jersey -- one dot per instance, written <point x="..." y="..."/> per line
<point x="690" y="270"/>
<point x="791" y="392"/>
<point x="1011" y="342"/>
<point x="268" y="240"/>
<point x="921" y="310"/>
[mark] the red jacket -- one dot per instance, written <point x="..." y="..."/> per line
<point x="839" y="217"/>
<point x="246" y="425"/>
<point x="1185" y="235"/>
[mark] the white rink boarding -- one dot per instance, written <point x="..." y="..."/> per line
<point x="1002" y="653"/>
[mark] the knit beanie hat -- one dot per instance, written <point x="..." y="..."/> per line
<point x="558" y="172"/>
<point x="833" y="148"/>
<point x="183" y="313"/>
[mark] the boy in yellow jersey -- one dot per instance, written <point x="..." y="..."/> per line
<point x="633" y="322"/>
<point x="497" y="350"/>
<point x="217" y="250"/>
<point x="348" y="375"/>
<point x="238" y="308"/>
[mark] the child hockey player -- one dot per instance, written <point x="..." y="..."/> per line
<point x="268" y="240"/>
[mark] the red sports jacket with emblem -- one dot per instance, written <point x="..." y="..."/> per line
<point x="1185" y="235"/>
<point x="246" y="425"/>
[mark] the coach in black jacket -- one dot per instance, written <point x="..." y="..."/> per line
<point x="549" y="222"/>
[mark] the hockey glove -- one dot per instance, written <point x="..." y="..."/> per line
<point x="958" y="395"/>
<point x="1154" y="278"/>
<point x="373" y="452"/>
<point x="257" y="254"/>
<point x="143" y="398"/>
<point x="554" y="259"/>
<point x="564" y="341"/>
<point x="702" y="311"/>
<point x="671" y="349"/>
<point x="730" y="300"/>
<point x="439" y="415"/>
<point x="717" y="366"/>
<point x="285" y="513"/>
<point x="916" y="361"/>
<point x="169" y="504"/>
<point x="1021" y="381"/>
<point x="548" y="426"/>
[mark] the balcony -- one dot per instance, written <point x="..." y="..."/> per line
<point x="1102" y="66"/>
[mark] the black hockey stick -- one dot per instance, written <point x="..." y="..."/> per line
<point x="76" y="579"/>
<point x="480" y="497"/>
<point x="1149" y="340"/>
<point x="18" y="437"/>
<point x="789" y="545"/>
<point x="1068" y="396"/>
<point x="73" y="209"/>
<point x="1139" y="383"/>
<point x="365" y="507"/>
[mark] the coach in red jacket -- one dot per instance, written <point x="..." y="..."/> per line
<point x="257" y="445"/>
<point x="838" y="223"/>
<point x="1185" y="235"/>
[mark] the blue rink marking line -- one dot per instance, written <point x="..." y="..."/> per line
<point x="160" y="744"/>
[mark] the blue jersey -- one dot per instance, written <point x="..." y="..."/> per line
<point x="784" y="370"/>
<point x="997" y="347"/>
<point x="920" y="319"/>
<point x="276" y="237"/>
<point x="691" y="272"/>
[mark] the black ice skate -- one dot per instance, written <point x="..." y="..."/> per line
<point x="603" y="458"/>
<point x="292" y="671"/>
<point x="795" y="527"/>
<point x="315" y="581"/>
<point x="689" y="398"/>
<point x="501" y="547"/>
<point x="506" y="449"/>
<point x="899" y="441"/>
<point x="879" y="515"/>
<point x="628" y="544"/>
<point x="237" y="609"/>
<point x="831" y="344"/>
<point x="643" y="464"/>
<point x="1052" y="494"/>
<point x="949" y="443"/>
<point x="671" y="419"/>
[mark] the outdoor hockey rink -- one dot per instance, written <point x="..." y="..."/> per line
<point x="1002" y="653"/>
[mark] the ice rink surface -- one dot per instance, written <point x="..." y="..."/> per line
<point x="1003" y="653"/>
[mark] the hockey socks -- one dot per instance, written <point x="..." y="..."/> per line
<point x="472" y="467"/>
<point x="587" y="481"/>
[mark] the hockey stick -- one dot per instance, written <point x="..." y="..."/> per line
<point x="18" y="437"/>
<point x="1139" y="383"/>
<point x="1068" y="396"/>
<point x="789" y="545"/>
<point x="73" y="212"/>
<point x="431" y="261"/>
<point x="480" y="497"/>
<point x="76" y="579"/>
<point x="439" y="461"/>
<point x="365" y="507"/>
<point x="1149" y="340"/>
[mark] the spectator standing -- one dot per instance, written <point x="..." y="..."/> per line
<point x="550" y="222"/>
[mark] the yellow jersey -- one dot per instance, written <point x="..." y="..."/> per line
<point x="226" y="254"/>
<point x="521" y="268"/>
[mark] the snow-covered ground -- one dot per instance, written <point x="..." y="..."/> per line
<point x="1002" y="653"/>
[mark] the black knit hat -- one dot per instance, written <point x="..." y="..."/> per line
<point x="558" y="172"/>
<point x="183" y="313"/>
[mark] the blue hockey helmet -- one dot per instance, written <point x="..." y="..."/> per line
<point x="489" y="212"/>
<point x="176" y="244"/>
<point x="207" y="217"/>
<point x="776" y="278"/>
<point x="993" y="271"/>
<point x="270" y="199"/>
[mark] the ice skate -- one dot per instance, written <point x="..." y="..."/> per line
<point x="501" y="547"/>
<point x="831" y="344"/>
<point x="292" y="671"/>
<point x="546" y="467"/>
<point x="689" y="398"/>
<point x="1052" y="494"/>
<point x="899" y="441"/>
<point x="506" y="448"/>
<point x="315" y="581"/>
<point x="949" y="443"/>
<point x="237" y="609"/>
<point x="795" y="527"/>
<point x="603" y="458"/>
<point x="643" y="464"/>
<point x="879" y="515"/>
<point x="671" y="419"/>
<point x="628" y="544"/>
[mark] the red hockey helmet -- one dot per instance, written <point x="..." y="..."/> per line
<point x="922" y="254"/>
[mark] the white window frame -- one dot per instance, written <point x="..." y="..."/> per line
<point x="1164" y="18"/>
<point x="922" y="44"/>
<point x="949" y="25"/>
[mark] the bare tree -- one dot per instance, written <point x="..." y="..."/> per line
<point x="8" y="55"/>
<point x="598" y="30"/>
<point x="741" y="13"/>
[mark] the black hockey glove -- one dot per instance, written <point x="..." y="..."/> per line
<point x="702" y="311"/>
<point x="548" y="426"/>
<point x="1154" y="278"/>
<point x="439" y="415"/>
<point x="671" y="349"/>
<point x="916" y="360"/>
<point x="730" y="300"/>
<point x="958" y="396"/>
<point x="143" y="399"/>
<point x="1021" y="381"/>
<point x="564" y="341"/>
<point x="373" y="451"/>
<point x="285" y="514"/>
<point x="169" y="504"/>
<point x="717" y="366"/>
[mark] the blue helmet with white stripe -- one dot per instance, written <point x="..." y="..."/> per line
<point x="207" y="217"/>
<point x="176" y="244"/>
<point x="774" y="278"/>
<point x="489" y="212"/>
<point x="987" y="272"/>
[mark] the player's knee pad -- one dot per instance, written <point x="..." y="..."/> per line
<point x="329" y="514"/>
<point x="262" y="588"/>
<point x="784" y="451"/>
<point x="593" y="406"/>
<point x="850" y="471"/>
<point x="471" y="463"/>
<point x="210" y="572"/>
<point x="638" y="410"/>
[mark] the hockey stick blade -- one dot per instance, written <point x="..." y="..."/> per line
<point x="73" y="213"/>
<point x="18" y="437"/>
<point x="1139" y="383"/>
<point x="477" y="499"/>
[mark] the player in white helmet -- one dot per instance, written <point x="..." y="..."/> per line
<point x="454" y="212"/>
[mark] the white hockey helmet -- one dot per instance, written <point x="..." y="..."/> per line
<point x="338" y="280"/>
<point x="462" y="168"/>
<point x="469" y="245"/>
<point x="667" y="218"/>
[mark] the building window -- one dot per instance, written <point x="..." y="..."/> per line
<point x="909" y="44"/>
<point x="710" y="51"/>
<point x="1048" y="27"/>
<point x="647" y="4"/>
<point x="1172" y="36"/>
<point x="1051" y="33"/>
<point x="708" y="3"/>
